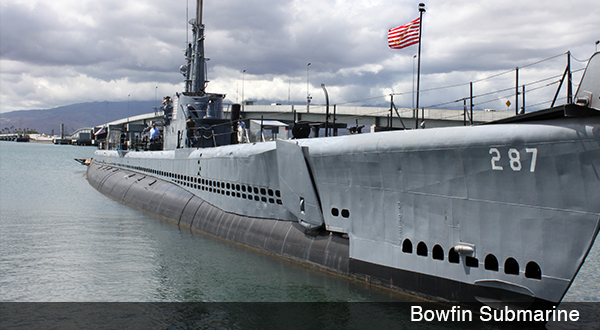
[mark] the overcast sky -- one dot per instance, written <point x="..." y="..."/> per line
<point x="61" y="52"/>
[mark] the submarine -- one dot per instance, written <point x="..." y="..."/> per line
<point x="500" y="214"/>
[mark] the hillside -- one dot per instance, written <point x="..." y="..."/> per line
<point x="74" y="116"/>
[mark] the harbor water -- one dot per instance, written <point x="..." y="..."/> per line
<point x="62" y="242"/>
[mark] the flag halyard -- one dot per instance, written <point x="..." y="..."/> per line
<point x="405" y="35"/>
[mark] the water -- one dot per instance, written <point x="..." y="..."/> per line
<point x="62" y="241"/>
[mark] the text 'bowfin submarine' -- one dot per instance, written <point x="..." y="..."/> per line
<point x="501" y="214"/>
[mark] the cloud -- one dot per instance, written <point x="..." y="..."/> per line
<point x="62" y="52"/>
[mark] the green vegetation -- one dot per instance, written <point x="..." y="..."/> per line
<point x="13" y="130"/>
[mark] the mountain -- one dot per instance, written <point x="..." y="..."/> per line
<point x="74" y="116"/>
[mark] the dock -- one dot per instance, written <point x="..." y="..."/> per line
<point x="356" y="119"/>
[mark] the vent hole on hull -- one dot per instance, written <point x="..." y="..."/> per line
<point x="532" y="270"/>
<point x="438" y="252"/>
<point x="471" y="262"/>
<point x="453" y="256"/>
<point x="422" y="249"/>
<point x="491" y="263"/>
<point x="335" y="212"/>
<point x="407" y="246"/>
<point x="511" y="267"/>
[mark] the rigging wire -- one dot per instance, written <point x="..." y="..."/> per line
<point x="582" y="61"/>
<point x="477" y="81"/>
<point x="507" y="89"/>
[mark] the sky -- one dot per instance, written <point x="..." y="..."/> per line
<point x="60" y="52"/>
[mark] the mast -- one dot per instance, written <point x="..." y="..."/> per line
<point x="421" y="11"/>
<point x="198" y="62"/>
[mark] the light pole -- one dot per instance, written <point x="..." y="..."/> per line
<point x="128" y="95"/>
<point x="155" y="98"/>
<point x="307" y="90"/>
<point x="128" y="137"/>
<point x="243" y="78"/>
<point x="107" y="128"/>
<point x="326" y="111"/>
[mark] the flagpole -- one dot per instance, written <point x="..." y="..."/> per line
<point x="421" y="11"/>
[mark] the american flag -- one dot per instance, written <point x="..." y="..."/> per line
<point x="405" y="35"/>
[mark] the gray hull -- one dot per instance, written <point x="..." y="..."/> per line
<point x="498" y="215"/>
<point x="170" y="202"/>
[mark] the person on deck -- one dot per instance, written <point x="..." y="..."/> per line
<point x="190" y="126"/>
<point x="154" y="137"/>
<point x="242" y="132"/>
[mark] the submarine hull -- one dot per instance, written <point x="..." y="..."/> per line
<point x="168" y="201"/>
<point x="321" y="249"/>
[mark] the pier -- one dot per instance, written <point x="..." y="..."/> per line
<point x="130" y="133"/>
<point x="349" y="115"/>
<point x="8" y="137"/>
<point x="372" y="116"/>
<point x="353" y="118"/>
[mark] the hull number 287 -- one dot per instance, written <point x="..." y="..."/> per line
<point x="514" y="159"/>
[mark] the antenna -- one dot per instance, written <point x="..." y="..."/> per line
<point x="198" y="61"/>
<point x="187" y="19"/>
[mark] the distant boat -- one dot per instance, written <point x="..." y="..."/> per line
<point x="40" y="138"/>
<point x="61" y="141"/>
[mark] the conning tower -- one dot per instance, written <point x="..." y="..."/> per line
<point x="205" y="109"/>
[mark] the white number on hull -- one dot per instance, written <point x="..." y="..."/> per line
<point x="495" y="159"/>
<point x="533" y="152"/>
<point x="514" y="157"/>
